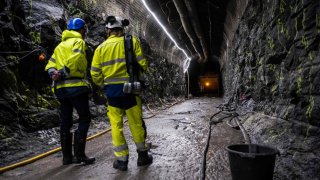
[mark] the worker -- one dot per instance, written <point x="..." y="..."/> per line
<point x="109" y="70"/>
<point x="67" y="68"/>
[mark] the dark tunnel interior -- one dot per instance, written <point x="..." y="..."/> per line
<point x="199" y="26"/>
<point x="204" y="79"/>
<point x="256" y="61"/>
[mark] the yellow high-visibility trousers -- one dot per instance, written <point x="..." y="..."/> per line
<point x="134" y="115"/>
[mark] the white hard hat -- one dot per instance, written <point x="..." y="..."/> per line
<point x="116" y="22"/>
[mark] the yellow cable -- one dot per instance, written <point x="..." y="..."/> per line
<point x="28" y="161"/>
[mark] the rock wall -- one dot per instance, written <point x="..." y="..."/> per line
<point x="275" y="59"/>
<point x="29" y="28"/>
<point x="273" y="68"/>
<point x="25" y="32"/>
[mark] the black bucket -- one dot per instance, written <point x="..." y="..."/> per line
<point x="251" y="161"/>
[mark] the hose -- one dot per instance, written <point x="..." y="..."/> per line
<point x="204" y="161"/>
<point x="244" y="132"/>
<point x="33" y="159"/>
<point x="232" y="114"/>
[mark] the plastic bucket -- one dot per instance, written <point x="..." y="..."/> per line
<point x="251" y="161"/>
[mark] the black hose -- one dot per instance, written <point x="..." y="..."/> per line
<point x="203" y="169"/>
<point x="229" y="113"/>
<point x="204" y="161"/>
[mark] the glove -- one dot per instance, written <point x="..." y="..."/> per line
<point x="55" y="75"/>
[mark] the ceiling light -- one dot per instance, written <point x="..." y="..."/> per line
<point x="187" y="60"/>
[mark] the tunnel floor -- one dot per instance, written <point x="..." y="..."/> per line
<point x="178" y="135"/>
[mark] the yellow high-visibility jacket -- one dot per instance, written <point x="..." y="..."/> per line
<point x="71" y="52"/>
<point x="109" y="64"/>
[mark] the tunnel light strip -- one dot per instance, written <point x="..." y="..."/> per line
<point x="187" y="60"/>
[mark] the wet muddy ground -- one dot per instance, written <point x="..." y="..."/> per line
<point x="179" y="136"/>
<point x="23" y="145"/>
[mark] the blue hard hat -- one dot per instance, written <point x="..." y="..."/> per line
<point x="76" y="24"/>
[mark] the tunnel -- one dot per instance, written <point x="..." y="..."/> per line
<point x="259" y="59"/>
<point x="189" y="34"/>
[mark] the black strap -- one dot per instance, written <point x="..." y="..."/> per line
<point x="131" y="62"/>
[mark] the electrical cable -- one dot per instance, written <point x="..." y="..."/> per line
<point x="163" y="104"/>
<point x="14" y="52"/>
<point x="166" y="107"/>
<point x="19" y="59"/>
<point x="149" y="108"/>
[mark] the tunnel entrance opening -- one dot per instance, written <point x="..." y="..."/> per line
<point x="205" y="79"/>
<point x="209" y="84"/>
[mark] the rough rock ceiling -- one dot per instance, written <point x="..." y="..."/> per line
<point x="197" y="26"/>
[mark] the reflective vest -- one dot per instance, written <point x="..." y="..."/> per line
<point x="71" y="52"/>
<point x="109" y="63"/>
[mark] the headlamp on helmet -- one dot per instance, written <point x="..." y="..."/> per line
<point x="116" y="22"/>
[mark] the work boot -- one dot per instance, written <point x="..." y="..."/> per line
<point x="79" y="149"/>
<point x="66" y="147"/>
<point x="144" y="158"/>
<point x="121" y="165"/>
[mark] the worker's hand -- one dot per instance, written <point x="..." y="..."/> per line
<point x="55" y="76"/>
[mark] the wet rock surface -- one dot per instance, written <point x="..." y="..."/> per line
<point x="276" y="72"/>
<point x="278" y="66"/>
<point x="298" y="144"/>
<point x="27" y="104"/>
<point x="178" y="134"/>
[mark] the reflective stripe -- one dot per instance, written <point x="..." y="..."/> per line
<point x="123" y="158"/>
<point x="139" y="58"/>
<point x="52" y="60"/>
<point x="95" y="69"/>
<point x="141" y="146"/>
<point x="110" y="80"/>
<point x="69" y="81"/>
<point x="78" y="50"/>
<point x="111" y="62"/>
<point x="120" y="148"/>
